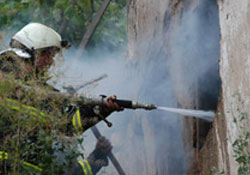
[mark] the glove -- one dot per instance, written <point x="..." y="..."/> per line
<point x="98" y="158"/>
<point x="110" y="106"/>
<point x="92" y="115"/>
<point x="113" y="106"/>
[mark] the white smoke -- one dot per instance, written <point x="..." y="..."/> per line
<point x="140" y="82"/>
<point x="193" y="57"/>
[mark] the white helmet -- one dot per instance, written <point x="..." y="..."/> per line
<point x="37" y="36"/>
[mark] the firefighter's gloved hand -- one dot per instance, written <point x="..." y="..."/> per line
<point x="92" y="115"/>
<point x="111" y="106"/>
<point x="98" y="158"/>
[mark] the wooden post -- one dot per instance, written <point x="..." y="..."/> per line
<point x="91" y="28"/>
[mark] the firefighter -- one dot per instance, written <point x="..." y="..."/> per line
<point x="29" y="57"/>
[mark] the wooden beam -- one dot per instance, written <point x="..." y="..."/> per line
<point x="92" y="27"/>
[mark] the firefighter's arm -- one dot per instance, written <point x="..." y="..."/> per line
<point x="85" y="117"/>
<point x="96" y="160"/>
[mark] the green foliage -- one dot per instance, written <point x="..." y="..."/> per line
<point x="69" y="17"/>
<point x="31" y="136"/>
<point x="241" y="155"/>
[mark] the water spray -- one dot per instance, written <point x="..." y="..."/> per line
<point x="206" y="115"/>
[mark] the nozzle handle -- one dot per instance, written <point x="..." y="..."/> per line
<point x="124" y="103"/>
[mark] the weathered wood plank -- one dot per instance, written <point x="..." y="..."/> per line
<point x="92" y="27"/>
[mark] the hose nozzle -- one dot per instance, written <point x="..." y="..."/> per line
<point x="136" y="105"/>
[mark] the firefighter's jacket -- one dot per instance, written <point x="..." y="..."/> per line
<point x="28" y="118"/>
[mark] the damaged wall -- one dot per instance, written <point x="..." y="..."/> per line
<point x="225" y="149"/>
<point x="145" y="32"/>
<point x="235" y="73"/>
<point x="189" y="37"/>
<point x="162" y="143"/>
<point x="184" y="37"/>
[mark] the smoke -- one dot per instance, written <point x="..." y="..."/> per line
<point x="137" y="135"/>
<point x="194" y="54"/>
<point x="150" y="142"/>
<point x="125" y="79"/>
